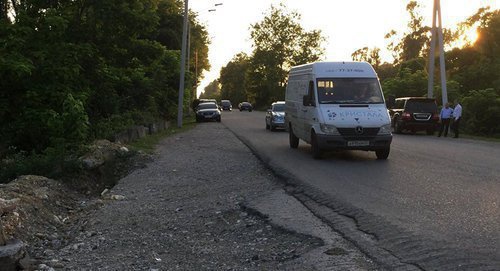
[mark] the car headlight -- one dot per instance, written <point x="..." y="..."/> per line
<point x="385" y="130"/>
<point x="329" y="129"/>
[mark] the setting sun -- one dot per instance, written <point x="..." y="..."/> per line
<point x="468" y="38"/>
<point x="471" y="35"/>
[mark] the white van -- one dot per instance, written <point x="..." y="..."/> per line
<point x="337" y="106"/>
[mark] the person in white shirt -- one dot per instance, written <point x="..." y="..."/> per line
<point x="457" y="116"/>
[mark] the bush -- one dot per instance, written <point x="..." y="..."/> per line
<point x="52" y="163"/>
<point x="481" y="109"/>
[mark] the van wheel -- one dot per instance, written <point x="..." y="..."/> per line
<point x="316" y="151"/>
<point x="273" y="128"/>
<point x="293" y="139"/>
<point x="383" y="153"/>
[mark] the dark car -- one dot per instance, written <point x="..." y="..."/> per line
<point x="208" y="111"/>
<point x="226" y="105"/>
<point x="245" y="106"/>
<point x="414" y="114"/>
<point x="275" y="116"/>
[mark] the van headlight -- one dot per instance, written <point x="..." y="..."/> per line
<point x="329" y="129"/>
<point x="385" y="130"/>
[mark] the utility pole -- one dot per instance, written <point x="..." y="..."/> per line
<point x="183" y="66"/>
<point x="437" y="30"/>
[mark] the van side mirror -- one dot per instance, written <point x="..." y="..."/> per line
<point x="306" y="101"/>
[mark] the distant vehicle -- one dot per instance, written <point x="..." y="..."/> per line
<point x="196" y="102"/>
<point x="226" y="105"/>
<point x="337" y="106"/>
<point x="275" y="116"/>
<point x="208" y="111"/>
<point x="414" y="114"/>
<point x="245" y="106"/>
<point x="208" y="101"/>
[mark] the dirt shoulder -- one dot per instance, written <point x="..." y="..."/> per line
<point x="193" y="207"/>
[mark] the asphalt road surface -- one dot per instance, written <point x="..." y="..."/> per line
<point x="442" y="193"/>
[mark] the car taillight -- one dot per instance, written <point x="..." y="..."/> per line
<point x="435" y="116"/>
<point x="406" y="116"/>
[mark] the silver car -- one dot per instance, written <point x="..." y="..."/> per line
<point x="275" y="116"/>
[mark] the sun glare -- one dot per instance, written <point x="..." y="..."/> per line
<point x="471" y="35"/>
<point x="468" y="38"/>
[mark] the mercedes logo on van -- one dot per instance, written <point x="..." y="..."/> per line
<point x="359" y="130"/>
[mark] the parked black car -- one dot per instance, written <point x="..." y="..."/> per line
<point x="208" y="111"/>
<point x="226" y="105"/>
<point x="245" y="106"/>
<point x="414" y="114"/>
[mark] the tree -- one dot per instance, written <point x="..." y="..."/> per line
<point x="371" y="56"/>
<point x="211" y="91"/>
<point x="232" y="78"/>
<point x="413" y="42"/>
<point x="279" y="42"/>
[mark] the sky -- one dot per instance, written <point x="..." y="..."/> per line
<point x="347" y="25"/>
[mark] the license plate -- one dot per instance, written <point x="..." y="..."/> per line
<point x="208" y="116"/>
<point x="358" y="143"/>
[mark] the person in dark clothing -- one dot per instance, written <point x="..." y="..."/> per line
<point x="445" y="116"/>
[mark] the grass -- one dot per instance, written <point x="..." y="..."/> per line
<point x="147" y="144"/>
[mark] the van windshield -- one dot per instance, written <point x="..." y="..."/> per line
<point x="349" y="91"/>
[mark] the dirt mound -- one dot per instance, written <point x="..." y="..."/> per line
<point x="46" y="214"/>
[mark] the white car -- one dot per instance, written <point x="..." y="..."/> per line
<point x="275" y="116"/>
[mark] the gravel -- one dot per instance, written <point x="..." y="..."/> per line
<point x="186" y="211"/>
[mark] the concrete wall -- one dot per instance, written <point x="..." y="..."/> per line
<point x="137" y="132"/>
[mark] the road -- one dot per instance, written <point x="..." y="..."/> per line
<point x="444" y="192"/>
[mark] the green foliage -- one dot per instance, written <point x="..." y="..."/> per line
<point x="212" y="91"/>
<point x="407" y="83"/>
<point x="481" y="109"/>
<point x="371" y="56"/>
<point x="475" y="66"/>
<point x="52" y="163"/>
<point x="233" y="84"/>
<point x="74" y="71"/>
<point x="279" y="43"/>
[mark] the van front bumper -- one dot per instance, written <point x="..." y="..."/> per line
<point x="338" y="142"/>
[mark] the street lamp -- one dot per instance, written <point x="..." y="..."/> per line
<point x="180" y="105"/>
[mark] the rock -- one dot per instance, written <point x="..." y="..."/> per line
<point x="100" y="152"/>
<point x="8" y="206"/>
<point x="11" y="254"/>
<point x="104" y="192"/>
<point x="57" y="219"/>
<point x="27" y="263"/>
<point x="56" y="264"/>
<point x="117" y="197"/>
<point x="77" y="246"/>
<point x="336" y="251"/>
<point x="45" y="267"/>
